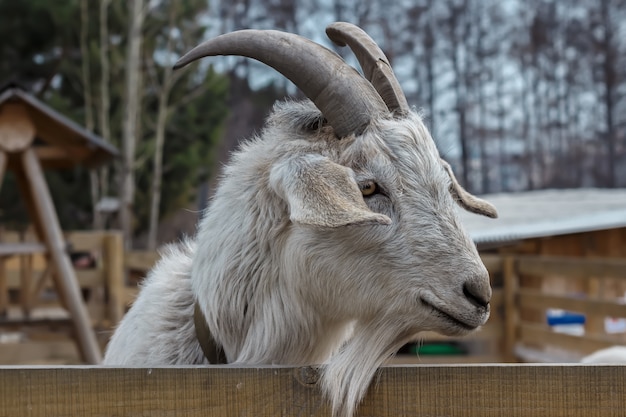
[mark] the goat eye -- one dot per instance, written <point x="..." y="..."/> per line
<point x="368" y="188"/>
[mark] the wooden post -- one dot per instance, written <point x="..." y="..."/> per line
<point x="511" y="285"/>
<point x="4" y="291"/>
<point x="115" y="275"/>
<point x="66" y="281"/>
<point x="26" y="277"/>
<point x="3" y="166"/>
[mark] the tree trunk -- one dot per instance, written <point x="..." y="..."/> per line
<point x="88" y="98"/>
<point x="132" y="106"/>
<point x="162" y="113"/>
<point x="104" y="108"/>
<point x="609" y="77"/>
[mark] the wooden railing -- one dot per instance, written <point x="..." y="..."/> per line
<point x="99" y="266"/>
<point x="533" y="285"/>
<point x="398" y="391"/>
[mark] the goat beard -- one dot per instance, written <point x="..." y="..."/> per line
<point x="348" y="374"/>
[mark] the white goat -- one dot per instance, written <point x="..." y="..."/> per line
<point x="332" y="238"/>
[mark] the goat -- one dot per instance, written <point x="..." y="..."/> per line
<point x="332" y="238"/>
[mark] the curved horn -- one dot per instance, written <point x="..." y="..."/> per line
<point x="373" y="61"/>
<point x="346" y="99"/>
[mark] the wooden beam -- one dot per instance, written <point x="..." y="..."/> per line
<point x="571" y="267"/>
<point x="3" y="166"/>
<point x="24" y="248"/>
<point x="17" y="130"/>
<point x="115" y="275"/>
<point x="86" y="278"/>
<point x="595" y="307"/>
<point x="511" y="312"/>
<point x="454" y="390"/>
<point x="73" y="153"/>
<point x="530" y="334"/>
<point x="66" y="278"/>
<point x="4" y="289"/>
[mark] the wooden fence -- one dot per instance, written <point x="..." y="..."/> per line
<point x="534" y="285"/>
<point x="31" y="312"/>
<point x="424" y="390"/>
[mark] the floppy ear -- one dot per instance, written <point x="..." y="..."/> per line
<point x="467" y="200"/>
<point x="322" y="193"/>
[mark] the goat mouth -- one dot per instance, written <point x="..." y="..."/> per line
<point x="448" y="317"/>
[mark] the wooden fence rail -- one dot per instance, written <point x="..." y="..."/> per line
<point x="423" y="390"/>
<point x="526" y="333"/>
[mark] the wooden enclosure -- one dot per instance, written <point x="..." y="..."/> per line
<point x="35" y="313"/>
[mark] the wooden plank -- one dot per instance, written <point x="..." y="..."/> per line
<point x="533" y="334"/>
<point x="26" y="280"/>
<point x="4" y="288"/>
<point x="25" y="248"/>
<point x="594" y="307"/>
<point x="574" y="268"/>
<point x="511" y="312"/>
<point x="66" y="279"/>
<point x="87" y="278"/>
<point x="17" y="130"/>
<point x="86" y="241"/>
<point x="77" y="240"/>
<point x="3" y="166"/>
<point x="115" y="275"/>
<point x="426" y="390"/>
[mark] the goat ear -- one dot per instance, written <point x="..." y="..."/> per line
<point x="466" y="200"/>
<point x="322" y="193"/>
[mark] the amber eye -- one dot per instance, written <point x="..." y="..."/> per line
<point x="368" y="188"/>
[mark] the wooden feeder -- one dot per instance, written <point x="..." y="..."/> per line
<point x="34" y="137"/>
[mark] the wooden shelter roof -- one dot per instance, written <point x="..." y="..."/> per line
<point x="59" y="142"/>
<point x="543" y="213"/>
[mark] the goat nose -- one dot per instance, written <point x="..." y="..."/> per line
<point x="478" y="291"/>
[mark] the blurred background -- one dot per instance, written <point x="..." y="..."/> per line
<point x="519" y="95"/>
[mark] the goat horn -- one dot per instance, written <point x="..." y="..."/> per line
<point x="373" y="61"/>
<point x="346" y="99"/>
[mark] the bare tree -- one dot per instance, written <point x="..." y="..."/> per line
<point x="88" y="94"/>
<point x="132" y="105"/>
<point x="104" y="105"/>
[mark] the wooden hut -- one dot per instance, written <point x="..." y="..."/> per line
<point x="568" y="252"/>
<point x="34" y="137"/>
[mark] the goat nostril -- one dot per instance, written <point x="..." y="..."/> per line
<point x="475" y="295"/>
